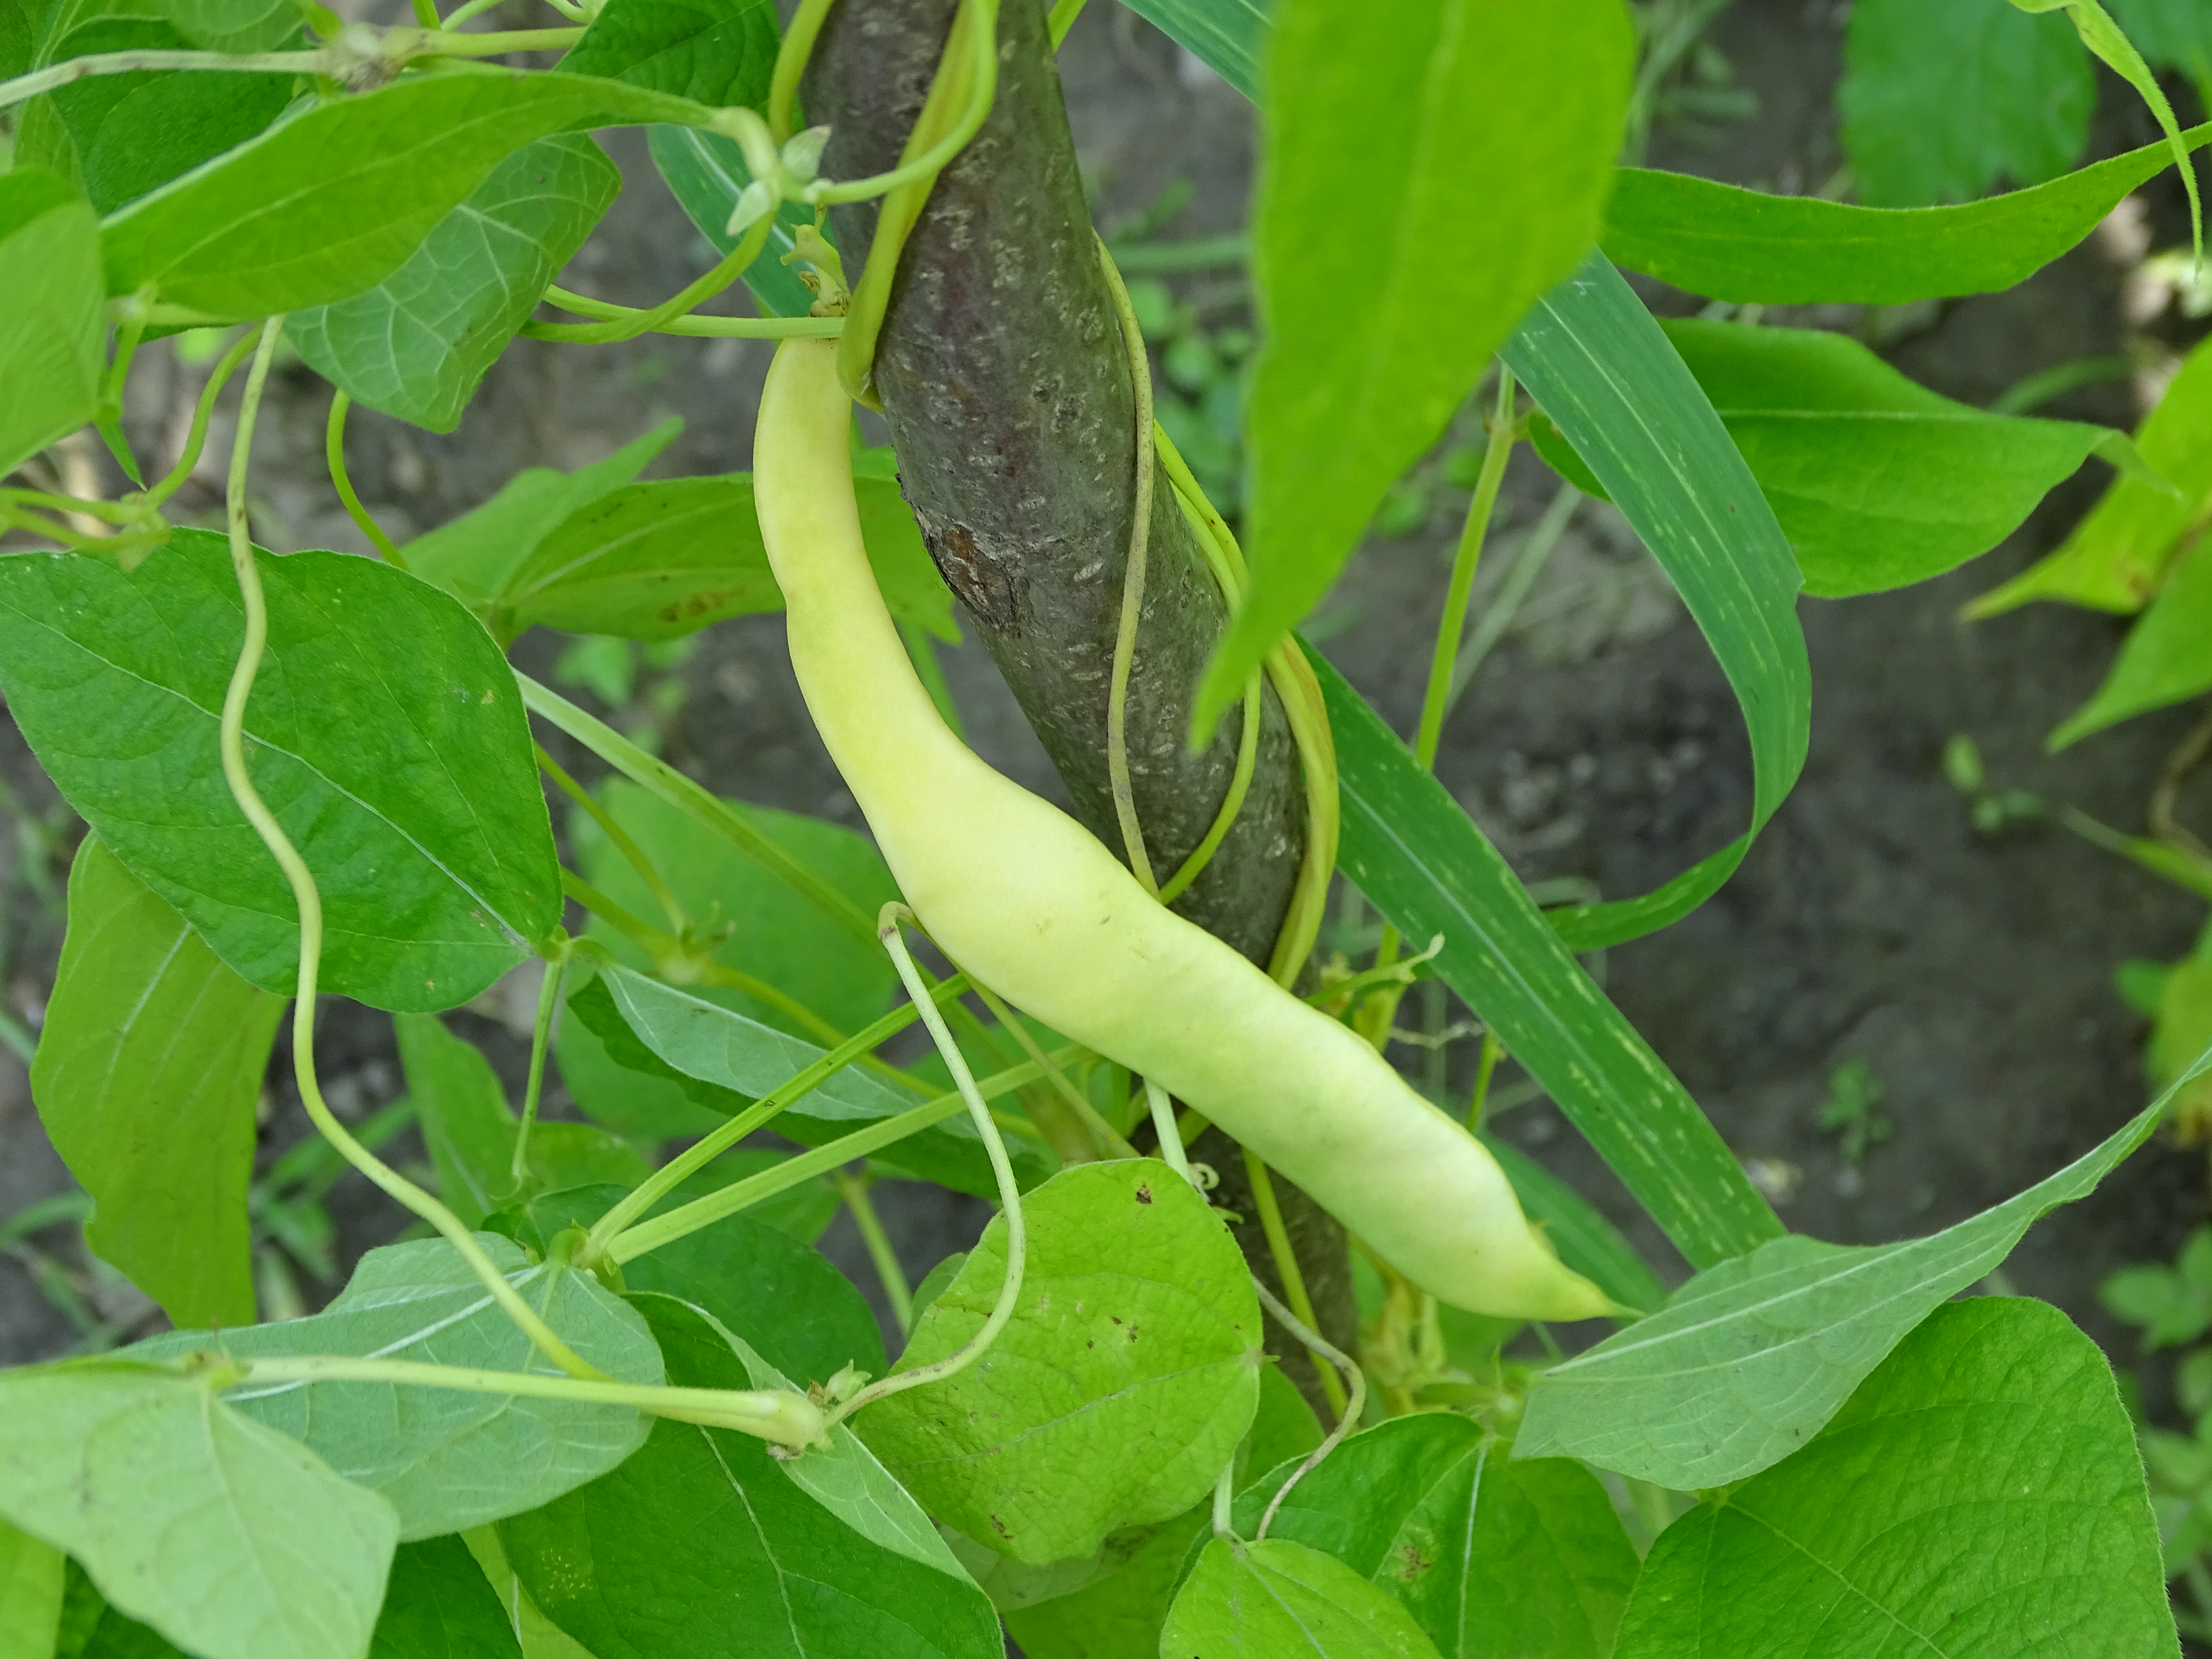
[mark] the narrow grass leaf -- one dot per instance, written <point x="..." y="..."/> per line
<point x="1605" y="372"/>
<point x="149" y="1066"/>
<point x="1747" y="1362"/>
<point x="1391" y="114"/>
<point x="1115" y="1396"/>
<point x="1422" y="862"/>
<point x="1229" y="37"/>
<point x="1981" y="1492"/>
<point x="446" y="1460"/>
<point x="417" y="344"/>
<point x="385" y="731"/>
<point x="233" y="1541"/>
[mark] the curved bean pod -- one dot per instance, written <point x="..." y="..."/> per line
<point x="1030" y="903"/>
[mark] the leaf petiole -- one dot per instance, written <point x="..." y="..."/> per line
<point x="781" y="1415"/>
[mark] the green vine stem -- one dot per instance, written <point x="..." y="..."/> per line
<point x="658" y="778"/>
<point x="664" y="1180"/>
<point x="936" y="138"/>
<point x="712" y="328"/>
<point x="1286" y="1264"/>
<point x="631" y="324"/>
<point x="1133" y="589"/>
<point x="1163" y="1123"/>
<point x="309" y="901"/>
<point x="541" y="1032"/>
<point x="1009" y="1195"/>
<point x="68" y="73"/>
<point x="791" y="64"/>
<point x="1107" y="1137"/>
<point x="788" y="1417"/>
<point x="1479" y="1101"/>
<point x="803" y="1167"/>
<point x="618" y="837"/>
<point x="854" y="1190"/>
<point x="1350" y="1408"/>
<point x="1374" y="1019"/>
<point x="334" y="457"/>
<point x="203" y="412"/>
<point x="981" y="74"/>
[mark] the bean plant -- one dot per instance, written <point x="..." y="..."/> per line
<point x="609" y="1399"/>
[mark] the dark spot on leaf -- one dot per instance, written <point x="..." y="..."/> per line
<point x="1414" y="1564"/>
<point x="1143" y="1194"/>
<point x="999" y="1526"/>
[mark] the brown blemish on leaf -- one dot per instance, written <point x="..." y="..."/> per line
<point x="1143" y="1194"/>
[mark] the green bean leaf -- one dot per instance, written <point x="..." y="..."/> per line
<point x="132" y="133"/>
<point x="1495" y="1559"/>
<point x="705" y="173"/>
<point x="385" y="733"/>
<point x="1125" y="1260"/>
<point x="31" y="1575"/>
<point x="1940" y="102"/>
<point x="1747" y="1362"/>
<point x="2165" y="658"/>
<point x="715" y="53"/>
<point x="330" y="203"/>
<point x="1878" y="482"/>
<point x="470" y="1131"/>
<point x="53" y="332"/>
<point x="148" y="1070"/>
<point x="417" y="344"/>
<point x="236" y="25"/>
<point x="648" y="562"/>
<point x="1728" y="243"/>
<point x="472" y="557"/>
<point x="782" y="1296"/>
<point x="446" y="1460"/>
<point x="1229" y="36"/>
<point x="734" y="1060"/>
<point x="1612" y="382"/>
<point x="1980" y="1492"/>
<point x="742" y="916"/>
<point x="440" y="1605"/>
<point x="1422" y="862"/>
<point x="1399" y="109"/>
<point x="703" y="1545"/>
<point x="1276" y="1599"/>
<point x="1121" y="1610"/>
<point x="2115" y="558"/>
<point x="228" y="1538"/>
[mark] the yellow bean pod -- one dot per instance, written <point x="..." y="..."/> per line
<point x="1032" y="905"/>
